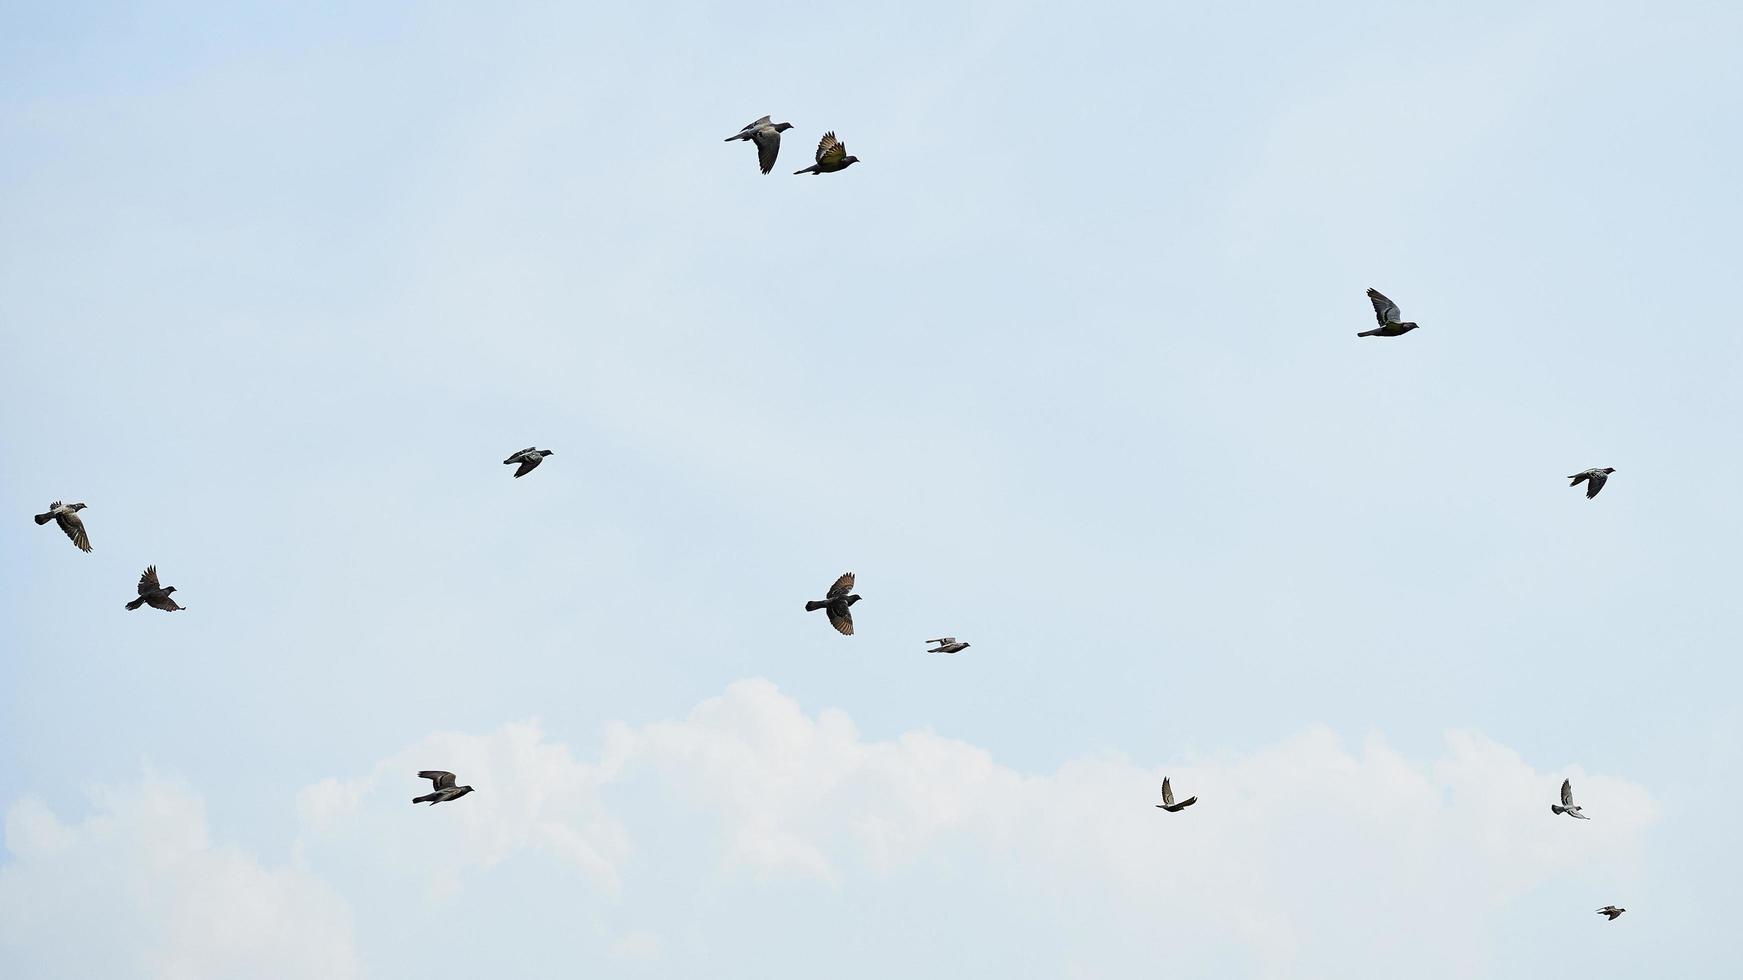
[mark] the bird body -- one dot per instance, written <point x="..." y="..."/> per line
<point x="947" y="644"/>
<point x="1386" y="312"/>
<point x="831" y="156"/>
<point x="1567" y="802"/>
<point x="529" y="460"/>
<point x="154" y="595"/>
<point x="836" y="602"/>
<point x="67" y="516"/>
<point x="442" y="788"/>
<point x="1168" y="799"/>
<point x="1611" y="912"/>
<point x="1594" y="479"/>
<point x="767" y="137"/>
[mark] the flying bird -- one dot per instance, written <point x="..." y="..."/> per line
<point x="831" y="156"/>
<point x="529" y="460"/>
<point x="767" y="136"/>
<point x="836" y="602"/>
<point x="1567" y="802"/>
<point x="1594" y="478"/>
<point x="154" y="595"/>
<point x="67" y="516"/>
<point x="1168" y="799"/>
<point x="947" y="644"/>
<point x="442" y="787"/>
<point x="1611" y="911"/>
<point x="1386" y="312"/>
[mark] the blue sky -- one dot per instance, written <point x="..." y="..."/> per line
<point x="1065" y="367"/>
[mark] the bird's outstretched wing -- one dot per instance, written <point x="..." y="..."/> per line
<point x="164" y="602"/>
<point x="438" y="778"/>
<point x="517" y="457"/>
<point x="1385" y="310"/>
<point x="1595" y="482"/>
<point x="830" y="151"/>
<point x="943" y="640"/>
<point x="75" y="529"/>
<point x="527" y="465"/>
<point x="1167" y="793"/>
<point x="768" y="143"/>
<point x="840" y="617"/>
<point x="842" y="586"/>
<point x="148" y="580"/>
<point x="1567" y="792"/>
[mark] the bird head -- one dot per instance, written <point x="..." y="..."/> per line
<point x="77" y="507"/>
<point x="168" y="590"/>
<point x="965" y="646"/>
<point x="850" y="161"/>
<point x="783" y="127"/>
<point x="1607" y="471"/>
<point x="850" y="600"/>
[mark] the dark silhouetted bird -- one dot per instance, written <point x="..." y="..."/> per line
<point x="836" y="602"/>
<point x="1611" y="911"/>
<point x="1567" y="802"/>
<point x="831" y="156"/>
<point x="154" y="595"/>
<point x="529" y="460"/>
<point x="767" y="136"/>
<point x="442" y="787"/>
<point x="67" y="516"/>
<point x="1594" y="479"/>
<point x="1168" y="799"/>
<point x="1387" y="313"/>
<point x="947" y="644"/>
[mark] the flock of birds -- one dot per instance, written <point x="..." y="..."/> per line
<point x="837" y="603"/>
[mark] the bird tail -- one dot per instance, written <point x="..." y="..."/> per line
<point x="814" y="605"/>
<point x="44" y="518"/>
<point x="740" y="136"/>
<point x="807" y="170"/>
<point x="426" y="798"/>
<point x="1369" y="333"/>
<point x="1574" y="480"/>
<point x="1557" y="809"/>
<point x="135" y="604"/>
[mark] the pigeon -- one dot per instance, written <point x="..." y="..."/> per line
<point x="529" y="460"/>
<point x="831" y="156"/>
<point x="1387" y="313"/>
<point x="836" y="602"/>
<point x="1567" y="802"/>
<point x="67" y="516"/>
<point x="947" y="644"/>
<point x="442" y="787"/>
<point x="1168" y="799"/>
<point x="767" y="136"/>
<point x="154" y="595"/>
<point x="1594" y="477"/>
<point x="1611" y="911"/>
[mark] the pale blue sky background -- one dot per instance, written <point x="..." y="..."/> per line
<point x="1065" y="367"/>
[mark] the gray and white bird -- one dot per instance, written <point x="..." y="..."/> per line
<point x="947" y="644"/>
<point x="835" y="603"/>
<point x="1567" y="802"/>
<point x="154" y="595"/>
<point x="767" y="136"/>
<point x="1594" y="478"/>
<point x="1386" y="312"/>
<point x="1168" y="799"/>
<point x="67" y="516"/>
<point x="831" y="156"/>
<point x="1611" y="911"/>
<point x="442" y="787"/>
<point x="529" y="460"/>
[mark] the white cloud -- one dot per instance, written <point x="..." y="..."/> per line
<point x="139" y="889"/>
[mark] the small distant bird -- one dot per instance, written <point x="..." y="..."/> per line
<point x="1611" y="911"/>
<point x="947" y="644"/>
<point x="154" y="595"/>
<point x="767" y="136"/>
<point x="831" y="156"/>
<point x="1594" y="477"/>
<point x="1386" y="312"/>
<point x="1567" y="802"/>
<point x="1168" y="799"/>
<point x="529" y="460"/>
<point x="836" y="602"/>
<point x="67" y="516"/>
<point x="442" y="787"/>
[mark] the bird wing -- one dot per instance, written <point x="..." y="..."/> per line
<point x="518" y="456"/>
<point x="438" y="778"/>
<point x="840" y="617"/>
<point x="842" y="586"/>
<point x="163" y="602"/>
<point x="148" y="580"/>
<point x="1167" y="793"/>
<point x="830" y="151"/>
<point x="1385" y="310"/>
<point x="768" y="143"/>
<point x="75" y="529"/>
<point x="526" y="466"/>
<point x="1567" y="792"/>
<point x="943" y="640"/>
<point x="1595" y="482"/>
